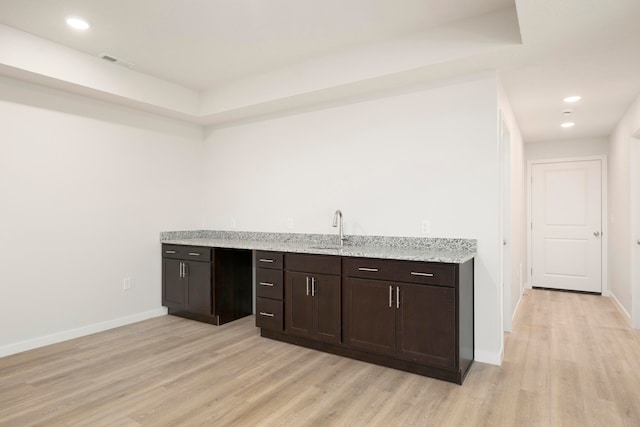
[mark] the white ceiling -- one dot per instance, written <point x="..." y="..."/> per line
<point x="588" y="47"/>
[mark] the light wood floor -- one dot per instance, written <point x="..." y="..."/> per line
<point x="571" y="360"/>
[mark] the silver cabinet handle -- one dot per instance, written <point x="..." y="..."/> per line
<point x="307" y="285"/>
<point x="194" y="254"/>
<point x="262" y="313"/>
<point x="265" y="260"/>
<point x="170" y="252"/>
<point x="416" y="273"/>
<point x="596" y="233"/>
<point x="313" y="286"/>
<point x="397" y="296"/>
<point x="373" y="270"/>
<point x="390" y="296"/>
<point x="266" y="284"/>
<point x="181" y="274"/>
<point x="185" y="273"/>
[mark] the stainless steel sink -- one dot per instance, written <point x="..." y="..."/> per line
<point x="326" y="247"/>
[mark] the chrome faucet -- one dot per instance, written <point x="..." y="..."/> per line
<point x="337" y="222"/>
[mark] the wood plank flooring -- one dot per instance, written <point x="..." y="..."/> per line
<point x="570" y="361"/>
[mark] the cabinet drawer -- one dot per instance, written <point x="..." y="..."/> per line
<point x="269" y="283"/>
<point x="308" y="263"/>
<point x="195" y="253"/>
<point x="265" y="259"/>
<point x="269" y="314"/>
<point x="400" y="271"/>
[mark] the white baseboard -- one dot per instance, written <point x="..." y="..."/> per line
<point x="515" y="310"/>
<point x="30" y="344"/>
<point x="489" y="357"/>
<point x="621" y="309"/>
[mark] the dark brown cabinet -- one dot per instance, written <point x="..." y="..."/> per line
<point x="269" y="291"/>
<point x="198" y="287"/>
<point x="417" y="312"/>
<point x="312" y="306"/>
<point x="173" y="284"/>
<point x="186" y="274"/>
<point x="426" y="324"/>
<point x="313" y="297"/>
<point x="369" y="321"/>
<point x="414" y="322"/>
<point x="206" y="284"/>
<point x="409" y="315"/>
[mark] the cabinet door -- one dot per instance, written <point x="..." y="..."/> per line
<point x="426" y="325"/>
<point x="172" y="284"/>
<point x="198" y="295"/>
<point x="326" y="308"/>
<point x="369" y="315"/>
<point x="298" y="304"/>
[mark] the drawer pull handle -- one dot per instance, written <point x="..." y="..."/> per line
<point x="373" y="270"/>
<point x="194" y="254"/>
<point x="266" y="284"/>
<point x="265" y="260"/>
<point x="170" y="252"/>
<point x="262" y="313"/>
<point x="415" y="273"/>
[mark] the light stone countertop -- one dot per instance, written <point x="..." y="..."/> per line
<point x="402" y="248"/>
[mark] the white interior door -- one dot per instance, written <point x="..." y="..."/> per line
<point x="566" y="211"/>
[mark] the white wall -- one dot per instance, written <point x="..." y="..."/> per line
<point x="620" y="230"/>
<point x="566" y="148"/>
<point x="86" y="186"/>
<point x="85" y="189"/>
<point x="387" y="163"/>
<point x="517" y="238"/>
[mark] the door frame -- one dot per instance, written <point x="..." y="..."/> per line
<point x="604" y="220"/>
<point x="635" y="228"/>
<point x="505" y="221"/>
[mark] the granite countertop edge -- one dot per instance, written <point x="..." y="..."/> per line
<point x="454" y="251"/>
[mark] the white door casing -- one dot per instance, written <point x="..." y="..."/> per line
<point x="635" y="232"/>
<point x="505" y="177"/>
<point x="566" y="225"/>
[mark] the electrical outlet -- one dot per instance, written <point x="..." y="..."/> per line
<point x="126" y="283"/>
<point x="425" y="226"/>
<point x="289" y="223"/>
<point x="233" y="222"/>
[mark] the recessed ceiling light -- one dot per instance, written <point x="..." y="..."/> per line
<point x="572" y="98"/>
<point x="567" y="124"/>
<point x="78" y="23"/>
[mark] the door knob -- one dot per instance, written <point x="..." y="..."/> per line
<point x="596" y="233"/>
